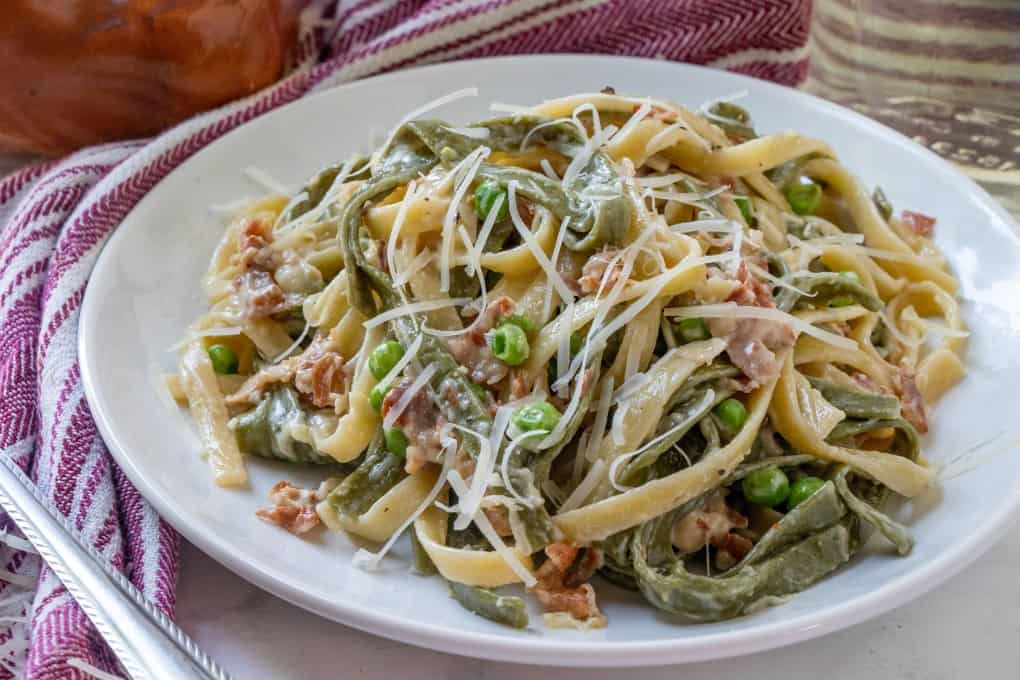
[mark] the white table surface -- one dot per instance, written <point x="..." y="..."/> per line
<point x="967" y="628"/>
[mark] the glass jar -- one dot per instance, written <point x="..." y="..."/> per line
<point x="944" y="72"/>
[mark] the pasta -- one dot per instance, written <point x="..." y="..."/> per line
<point x="605" y="336"/>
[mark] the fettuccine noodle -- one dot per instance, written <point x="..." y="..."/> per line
<point x="609" y="336"/>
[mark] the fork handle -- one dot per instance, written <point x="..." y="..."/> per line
<point x="146" y="641"/>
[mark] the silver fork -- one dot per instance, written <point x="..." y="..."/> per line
<point x="145" y="640"/>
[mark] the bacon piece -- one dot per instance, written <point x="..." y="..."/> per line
<point x="496" y="310"/>
<point x="260" y="294"/>
<point x="472" y="351"/>
<point x="520" y="385"/>
<point x="734" y="548"/>
<point x="911" y="401"/>
<point x="293" y="508"/>
<point x="421" y="423"/>
<point x="253" y="241"/>
<point x="464" y="464"/>
<point x="707" y="526"/>
<point x="483" y="367"/>
<point x="251" y="392"/>
<point x="563" y="580"/>
<point x="595" y="268"/>
<point x="318" y="372"/>
<point x="525" y="210"/>
<point x="919" y="223"/>
<point x="712" y="525"/>
<point x="752" y="344"/>
<point x="749" y="290"/>
<point x="497" y="517"/>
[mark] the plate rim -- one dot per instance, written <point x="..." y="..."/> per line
<point x="549" y="651"/>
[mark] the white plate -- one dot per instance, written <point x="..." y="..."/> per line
<point x="145" y="290"/>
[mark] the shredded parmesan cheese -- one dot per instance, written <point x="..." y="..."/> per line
<point x="516" y="109"/>
<point x="732" y="97"/>
<point x="420" y="261"/>
<point x="547" y="299"/>
<point x="630" y="386"/>
<point x="529" y="239"/>
<point x="398" y="224"/>
<point x="665" y="138"/>
<point x="547" y="168"/>
<point x="472" y="162"/>
<point x="598" y="428"/>
<point x="721" y="226"/>
<point x="568" y="415"/>
<point x="483" y="235"/>
<point x="581" y="492"/>
<point x="730" y="310"/>
<point x="688" y="198"/>
<point x="634" y="355"/>
<point x="469" y="504"/>
<point x="660" y="181"/>
<point x="394" y="413"/>
<point x="409" y="354"/>
<point x="563" y="348"/>
<point x="472" y="132"/>
<point x="414" y="308"/>
<point x="293" y="346"/>
<point x="616" y="430"/>
<point x="633" y="121"/>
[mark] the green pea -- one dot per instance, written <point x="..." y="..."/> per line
<point x="767" y="486"/>
<point x="803" y="489"/>
<point x="523" y="322"/>
<point x="746" y="209"/>
<point x="223" y="359"/>
<point x="509" y="344"/>
<point x="539" y="415"/>
<point x="396" y="441"/>
<point x="376" y="396"/>
<point x="384" y="357"/>
<point x="732" y="414"/>
<point x="485" y="197"/>
<point x="693" y="329"/>
<point x="804" y="198"/>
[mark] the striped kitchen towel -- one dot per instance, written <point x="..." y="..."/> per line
<point x="56" y="216"/>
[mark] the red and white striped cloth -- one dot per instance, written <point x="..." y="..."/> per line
<point x="56" y="216"/>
